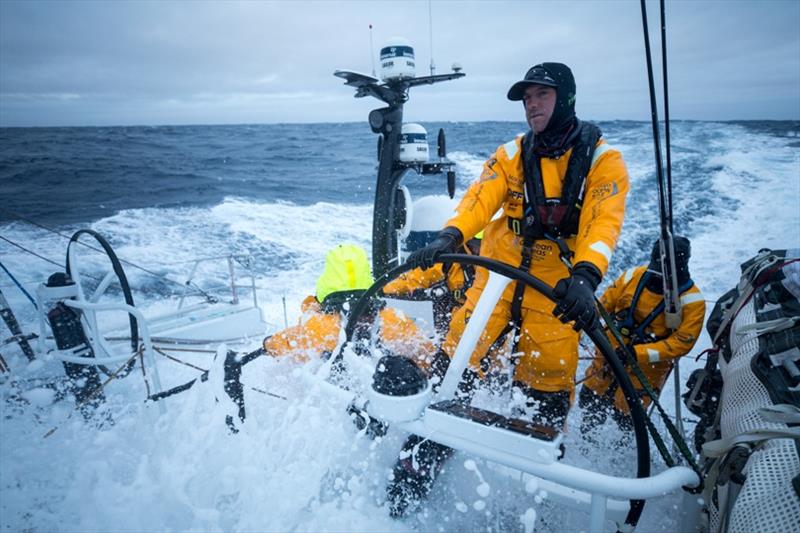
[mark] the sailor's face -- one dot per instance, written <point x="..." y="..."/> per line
<point x="539" y="102"/>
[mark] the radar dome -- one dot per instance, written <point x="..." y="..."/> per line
<point x="413" y="143"/>
<point x="397" y="60"/>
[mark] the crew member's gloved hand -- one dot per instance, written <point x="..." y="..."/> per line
<point x="576" y="296"/>
<point x="447" y="242"/>
<point x="622" y="354"/>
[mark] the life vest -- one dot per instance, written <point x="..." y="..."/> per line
<point x="624" y="321"/>
<point x="551" y="218"/>
<point x="555" y="217"/>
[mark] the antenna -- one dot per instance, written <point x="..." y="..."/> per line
<point x="430" y="28"/>
<point x="371" y="51"/>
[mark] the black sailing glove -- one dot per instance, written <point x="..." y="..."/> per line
<point x="446" y="242"/>
<point x="622" y="354"/>
<point x="575" y="296"/>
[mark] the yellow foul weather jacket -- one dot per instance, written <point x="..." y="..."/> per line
<point x="550" y="348"/>
<point x="416" y="279"/>
<point x="318" y="333"/>
<point x="658" y="354"/>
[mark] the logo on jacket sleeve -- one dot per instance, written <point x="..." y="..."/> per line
<point x="605" y="190"/>
<point x="488" y="171"/>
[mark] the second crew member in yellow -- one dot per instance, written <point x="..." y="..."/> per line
<point x="635" y="301"/>
<point x="346" y="276"/>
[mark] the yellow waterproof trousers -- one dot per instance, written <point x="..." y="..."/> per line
<point x="547" y="352"/>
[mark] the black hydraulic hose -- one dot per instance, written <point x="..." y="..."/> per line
<point x="666" y="112"/>
<point x="596" y="334"/>
<point x="177" y="389"/>
<point x="120" y="273"/>
<point x="671" y="300"/>
<point x="654" y="115"/>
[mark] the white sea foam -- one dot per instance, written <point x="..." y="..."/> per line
<point x="468" y="167"/>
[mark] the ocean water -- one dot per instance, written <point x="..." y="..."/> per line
<point x="284" y="194"/>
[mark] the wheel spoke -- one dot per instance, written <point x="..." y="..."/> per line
<point x="101" y="289"/>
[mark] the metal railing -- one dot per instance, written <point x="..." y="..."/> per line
<point x="231" y="259"/>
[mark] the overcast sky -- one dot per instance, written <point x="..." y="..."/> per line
<point x="192" y="62"/>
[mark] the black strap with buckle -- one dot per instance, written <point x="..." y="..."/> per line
<point x="556" y="216"/>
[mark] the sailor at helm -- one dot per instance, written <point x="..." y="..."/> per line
<point x="346" y="276"/>
<point x="636" y="303"/>
<point x="559" y="184"/>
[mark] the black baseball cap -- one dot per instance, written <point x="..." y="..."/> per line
<point x="536" y="75"/>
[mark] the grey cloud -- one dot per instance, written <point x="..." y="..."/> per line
<point x="206" y="62"/>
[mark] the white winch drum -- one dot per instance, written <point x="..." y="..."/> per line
<point x="397" y="60"/>
<point x="413" y="144"/>
<point x="397" y="409"/>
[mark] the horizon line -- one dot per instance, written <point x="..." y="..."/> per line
<point x="226" y="124"/>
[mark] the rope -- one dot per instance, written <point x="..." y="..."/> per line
<point x="144" y="374"/>
<point x="59" y="265"/>
<point x="95" y="392"/>
<point x="28" y="282"/>
<point x="678" y="439"/>
<point x="9" y="241"/>
<point x="207" y="258"/>
<point x="19" y="338"/>
<point x="178" y="341"/>
<point x="243" y="260"/>
<point x="179" y="361"/>
<point x="593" y="374"/>
<point x="190" y="350"/>
<point x="267" y="393"/>
<point x="17" y="283"/>
<point x="666" y="111"/>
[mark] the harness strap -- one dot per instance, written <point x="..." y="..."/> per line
<point x="764" y="263"/>
<point x="550" y="218"/>
<point x="558" y="216"/>
<point x="628" y="326"/>
<point x="455" y="295"/>
<point x="519" y="288"/>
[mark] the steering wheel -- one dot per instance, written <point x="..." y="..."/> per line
<point x="596" y="334"/>
<point x="88" y="317"/>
